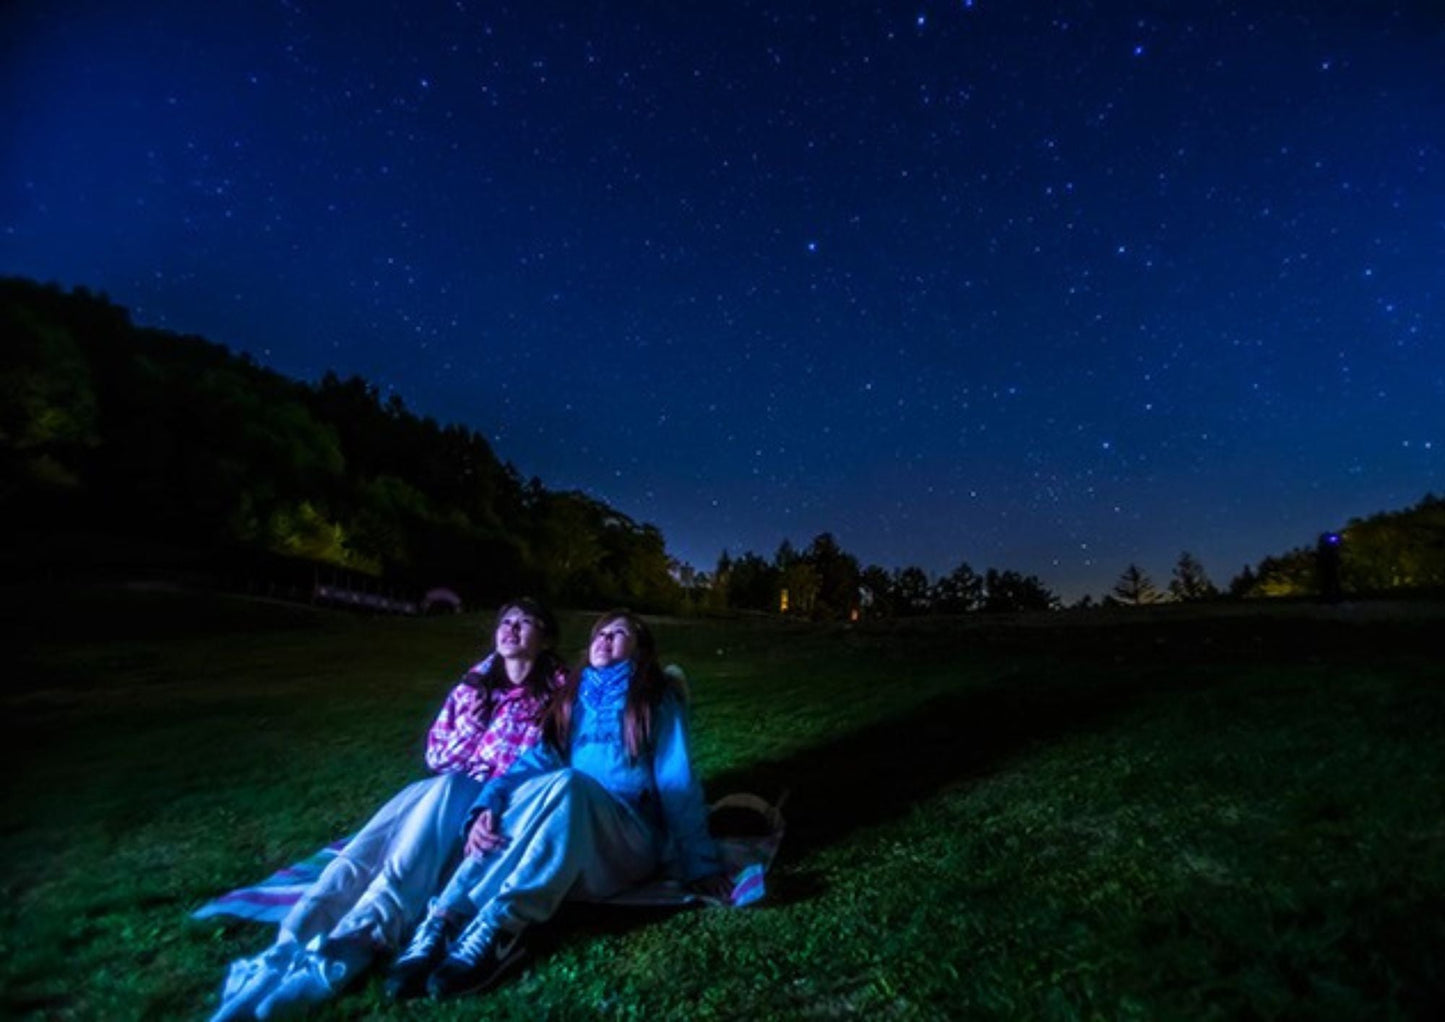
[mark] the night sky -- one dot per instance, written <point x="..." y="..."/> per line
<point x="1052" y="287"/>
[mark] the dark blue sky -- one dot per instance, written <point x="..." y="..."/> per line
<point x="1053" y="287"/>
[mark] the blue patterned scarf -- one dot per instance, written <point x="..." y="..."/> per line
<point x="601" y="685"/>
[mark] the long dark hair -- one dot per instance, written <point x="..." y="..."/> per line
<point x="538" y="682"/>
<point x="644" y="692"/>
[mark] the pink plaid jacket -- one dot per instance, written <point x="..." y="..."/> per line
<point x="482" y="736"/>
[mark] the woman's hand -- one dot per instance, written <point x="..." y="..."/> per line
<point x="716" y="887"/>
<point x="478" y="716"/>
<point x="485" y="835"/>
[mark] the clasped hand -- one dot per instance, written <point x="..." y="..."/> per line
<point x="485" y="835"/>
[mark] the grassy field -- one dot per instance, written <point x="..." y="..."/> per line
<point x="1175" y="815"/>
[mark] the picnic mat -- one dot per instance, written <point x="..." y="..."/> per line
<point x="747" y="829"/>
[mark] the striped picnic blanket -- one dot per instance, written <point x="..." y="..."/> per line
<point x="747" y="829"/>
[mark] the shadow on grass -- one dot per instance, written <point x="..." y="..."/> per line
<point x="1069" y="682"/>
<point x="876" y="774"/>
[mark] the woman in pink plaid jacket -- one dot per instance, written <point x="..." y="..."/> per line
<point x="377" y="888"/>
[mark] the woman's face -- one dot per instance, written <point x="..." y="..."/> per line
<point x="520" y="636"/>
<point x="613" y="641"/>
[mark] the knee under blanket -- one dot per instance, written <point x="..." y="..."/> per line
<point x="748" y="830"/>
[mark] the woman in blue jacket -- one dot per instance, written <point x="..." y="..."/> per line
<point x="609" y="798"/>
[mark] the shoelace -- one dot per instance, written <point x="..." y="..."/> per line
<point x="474" y="942"/>
<point x="427" y="936"/>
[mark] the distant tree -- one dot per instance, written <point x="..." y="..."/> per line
<point x="1290" y="574"/>
<point x="837" y="576"/>
<point x="1010" y="591"/>
<point x="715" y="598"/>
<point x="958" y="592"/>
<point x="800" y="579"/>
<point x="1396" y="550"/>
<point x="912" y="595"/>
<point x="1189" y="581"/>
<point x="193" y="449"/>
<point x="388" y="516"/>
<point x="47" y="408"/>
<point x="303" y="531"/>
<point x="567" y="543"/>
<point x="1134" y="588"/>
<point x="1243" y="585"/>
<point x="636" y="566"/>
<point x="753" y="584"/>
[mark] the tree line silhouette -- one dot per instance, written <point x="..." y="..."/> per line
<point x="110" y="428"/>
<point x="824" y="581"/>
<point x="128" y="432"/>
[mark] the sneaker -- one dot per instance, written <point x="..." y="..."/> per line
<point x="408" y="974"/>
<point x="317" y="974"/>
<point x="479" y="959"/>
<point x="251" y="979"/>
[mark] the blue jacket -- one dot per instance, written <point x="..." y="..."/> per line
<point x="660" y="787"/>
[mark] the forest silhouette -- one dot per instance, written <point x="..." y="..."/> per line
<point x="138" y="446"/>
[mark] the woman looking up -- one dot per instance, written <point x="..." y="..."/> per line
<point x="371" y="895"/>
<point x="597" y="808"/>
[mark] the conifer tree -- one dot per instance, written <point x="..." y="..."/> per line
<point x="1134" y="588"/>
<point x="1189" y="581"/>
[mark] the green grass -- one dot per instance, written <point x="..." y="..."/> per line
<point x="1193" y="816"/>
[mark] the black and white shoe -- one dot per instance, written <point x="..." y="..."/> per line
<point x="408" y="974"/>
<point x="481" y="957"/>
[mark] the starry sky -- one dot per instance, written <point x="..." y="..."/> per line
<point x="1053" y="287"/>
